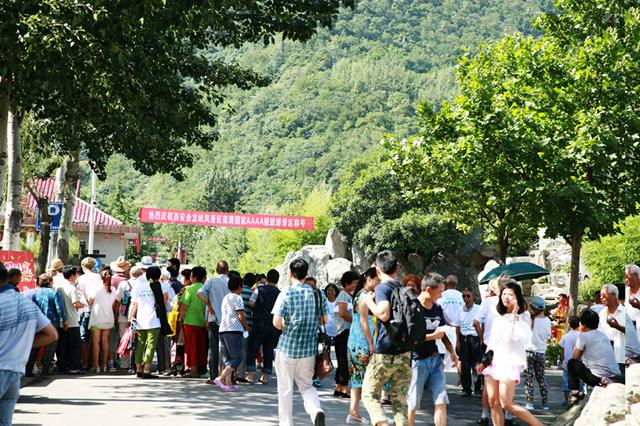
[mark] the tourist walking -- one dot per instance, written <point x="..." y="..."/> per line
<point x="451" y="303"/>
<point x="88" y="283"/>
<point x="298" y="315"/>
<point x="68" y="351"/>
<point x="343" y="316"/>
<point x="263" y="334"/>
<point x="22" y="327"/>
<point x="536" y="348"/>
<point x="192" y="316"/>
<point x="388" y="363"/>
<point x="249" y="281"/>
<point x="427" y="366"/>
<point x="211" y="294"/>
<point x="101" y="320"/>
<point x="234" y="323"/>
<point x="360" y="345"/>
<point x="468" y="345"/>
<point x="511" y="332"/>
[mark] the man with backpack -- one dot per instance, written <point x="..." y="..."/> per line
<point x="390" y="363"/>
<point x="427" y="365"/>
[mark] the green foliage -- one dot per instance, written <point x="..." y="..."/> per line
<point x="606" y="258"/>
<point x="370" y="211"/>
<point x="552" y="353"/>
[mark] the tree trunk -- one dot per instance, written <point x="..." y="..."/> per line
<point x="503" y="246"/>
<point x="71" y="176"/>
<point x="45" y="228"/>
<point x="576" y="245"/>
<point x="13" y="211"/>
<point x="4" y="116"/>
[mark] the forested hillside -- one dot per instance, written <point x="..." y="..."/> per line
<point x="330" y="100"/>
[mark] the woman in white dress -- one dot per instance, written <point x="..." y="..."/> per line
<point x="510" y="333"/>
<point x="102" y="320"/>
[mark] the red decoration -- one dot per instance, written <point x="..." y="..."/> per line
<point x="22" y="260"/>
<point x="235" y="220"/>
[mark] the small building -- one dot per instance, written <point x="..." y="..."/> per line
<point x="111" y="236"/>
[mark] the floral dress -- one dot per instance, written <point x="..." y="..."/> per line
<point x="357" y="346"/>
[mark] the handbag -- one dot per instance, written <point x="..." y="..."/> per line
<point x="323" y="365"/>
<point x="172" y="318"/>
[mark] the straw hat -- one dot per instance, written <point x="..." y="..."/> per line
<point x="120" y="265"/>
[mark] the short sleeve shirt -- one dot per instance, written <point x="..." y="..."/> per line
<point x="264" y="298"/>
<point x="597" y="355"/>
<point x="346" y="299"/>
<point x="214" y="290"/>
<point x="69" y="295"/>
<point x="452" y="304"/>
<point x="383" y="343"/>
<point x="486" y="314"/>
<point x="465" y="320"/>
<point x="615" y="336"/>
<point x="146" y="315"/>
<point x="231" y="304"/>
<point x="433" y="318"/>
<point x="195" y="312"/>
<point x="20" y="320"/>
<point x="246" y="296"/>
<point x="301" y="316"/>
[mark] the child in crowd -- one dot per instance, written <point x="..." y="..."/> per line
<point x="567" y="343"/>
<point x="232" y="327"/>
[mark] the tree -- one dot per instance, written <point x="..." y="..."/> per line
<point x="369" y="209"/>
<point x="13" y="212"/>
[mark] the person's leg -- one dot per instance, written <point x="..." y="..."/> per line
<point x="541" y="378"/>
<point x="242" y="368"/>
<point x="161" y="354"/>
<point x="506" y="390"/>
<point x="141" y="343"/>
<point x="74" y="349"/>
<point x="528" y="376"/>
<point x="437" y="384"/>
<point x="374" y="380"/>
<point x="354" y="402"/>
<point x="342" y="372"/>
<point x="95" y="348"/>
<point x="62" y="351"/>
<point x="255" y="340"/>
<point x="214" y="352"/>
<point x="85" y="335"/>
<point x="153" y="336"/>
<point x="465" y="361"/>
<point x="493" y="397"/>
<point x="202" y="349"/>
<point x="9" y="393"/>
<point x="565" y="385"/>
<point x="400" y="378"/>
<point x="104" y="340"/>
<point x="416" y="388"/>
<point x="285" y="374"/>
<point x="303" y="376"/>
<point x="268" y="348"/>
<point x="579" y="372"/>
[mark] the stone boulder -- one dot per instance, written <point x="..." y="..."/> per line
<point x="633" y="395"/>
<point x="606" y="406"/>
<point x="336" y="244"/>
<point x="321" y="266"/>
<point x="360" y="260"/>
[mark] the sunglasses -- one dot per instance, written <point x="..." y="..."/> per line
<point x="466" y="296"/>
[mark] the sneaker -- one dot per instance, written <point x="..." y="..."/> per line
<point x="351" y="420"/>
<point x="545" y="407"/>
<point x="529" y="406"/>
<point x="319" y="420"/>
<point x="484" y="421"/>
<point x="317" y="383"/>
<point x="112" y="369"/>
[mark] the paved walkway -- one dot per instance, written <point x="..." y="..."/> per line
<point x="125" y="400"/>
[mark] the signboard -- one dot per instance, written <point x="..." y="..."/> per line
<point x="231" y="220"/>
<point x="22" y="260"/>
<point x="55" y="213"/>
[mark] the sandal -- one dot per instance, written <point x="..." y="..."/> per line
<point x="209" y="382"/>
<point x="575" y="398"/>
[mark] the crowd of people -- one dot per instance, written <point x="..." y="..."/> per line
<point x="227" y="328"/>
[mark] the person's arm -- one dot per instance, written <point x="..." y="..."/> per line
<point x="205" y="300"/>
<point x="343" y="311"/>
<point x="47" y="335"/>
<point x="278" y="322"/>
<point x="253" y="299"/>
<point x="363" y="310"/>
<point x="479" y="330"/>
<point x="382" y="309"/>
<point x="436" y="335"/>
<point x="577" y="353"/>
<point x="278" y="316"/>
<point x="613" y="323"/>
<point x="133" y="311"/>
<point x="458" y="339"/>
<point x="243" y="319"/>
<point x="448" y="346"/>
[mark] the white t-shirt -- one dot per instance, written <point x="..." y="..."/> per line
<point x="146" y="316"/>
<point x="88" y="284"/>
<point x="486" y="314"/>
<point x="452" y="304"/>
<point x="330" y="326"/>
<point x="615" y="336"/>
<point x="465" y="320"/>
<point x="634" y="314"/>
<point x="568" y="342"/>
<point x="69" y="295"/>
<point x="540" y="333"/>
<point x="102" y="308"/>
<point x="231" y="304"/>
<point x="58" y="280"/>
<point x="597" y="308"/>
<point x="345" y="299"/>
<point x="597" y="354"/>
<point x="166" y="288"/>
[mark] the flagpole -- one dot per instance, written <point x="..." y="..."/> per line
<point x="92" y="214"/>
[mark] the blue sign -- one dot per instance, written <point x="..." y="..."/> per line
<point x="55" y="213"/>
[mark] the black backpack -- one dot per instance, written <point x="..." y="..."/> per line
<point x="406" y="328"/>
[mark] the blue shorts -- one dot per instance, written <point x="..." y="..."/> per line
<point x="232" y="349"/>
<point x="9" y="393"/>
<point x="427" y="372"/>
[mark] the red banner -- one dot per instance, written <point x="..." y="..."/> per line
<point x="236" y="220"/>
<point x="22" y="260"/>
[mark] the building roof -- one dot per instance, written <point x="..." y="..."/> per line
<point x="81" y="211"/>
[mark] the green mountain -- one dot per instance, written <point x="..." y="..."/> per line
<point x="330" y="100"/>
